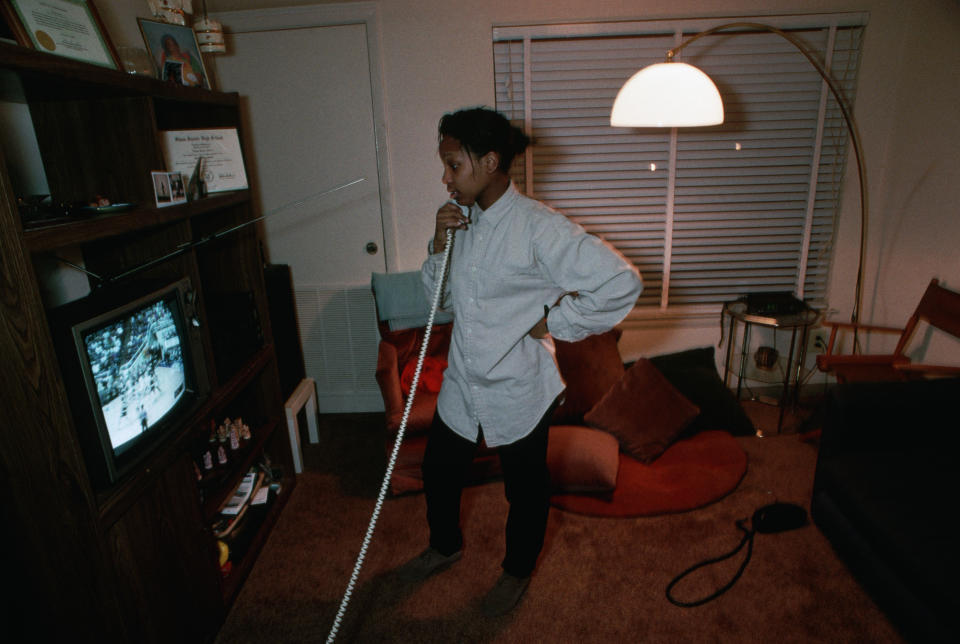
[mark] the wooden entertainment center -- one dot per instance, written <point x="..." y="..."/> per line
<point x="135" y="560"/>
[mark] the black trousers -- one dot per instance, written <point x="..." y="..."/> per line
<point x="526" y="484"/>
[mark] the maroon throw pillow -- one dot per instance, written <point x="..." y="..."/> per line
<point x="644" y="411"/>
<point x="590" y="367"/>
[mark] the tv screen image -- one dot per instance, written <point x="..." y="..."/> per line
<point x="137" y="364"/>
<point x="132" y="361"/>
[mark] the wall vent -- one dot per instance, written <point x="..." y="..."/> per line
<point x="338" y="330"/>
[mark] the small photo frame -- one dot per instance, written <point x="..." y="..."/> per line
<point x="68" y="28"/>
<point x="169" y="188"/>
<point x="175" y="53"/>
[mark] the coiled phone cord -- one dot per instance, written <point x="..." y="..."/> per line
<point x="438" y="291"/>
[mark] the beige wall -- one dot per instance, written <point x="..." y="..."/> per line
<point x="437" y="56"/>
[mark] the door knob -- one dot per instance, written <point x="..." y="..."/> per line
<point x="372" y="248"/>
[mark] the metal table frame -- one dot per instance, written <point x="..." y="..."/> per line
<point x="802" y="321"/>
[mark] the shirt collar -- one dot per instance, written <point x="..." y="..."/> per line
<point x="498" y="208"/>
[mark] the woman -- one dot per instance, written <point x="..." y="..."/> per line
<point x="519" y="273"/>
<point x="178" y="66"/>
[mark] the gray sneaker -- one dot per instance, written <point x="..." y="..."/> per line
<point x="504" y="595"/>
<point x="427" y="563"/>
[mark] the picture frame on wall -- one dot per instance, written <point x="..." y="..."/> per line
<point x="68" y="28"/>
<point x="175" y="53"/>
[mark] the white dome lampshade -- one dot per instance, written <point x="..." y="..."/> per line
<point x="667" y="95"/>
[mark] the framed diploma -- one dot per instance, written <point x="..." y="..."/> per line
<point x="219" y="148"/>
<point x="69" y="28"/>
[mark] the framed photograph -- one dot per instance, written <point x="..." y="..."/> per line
<point x="175" y="53"/>
<point x="69" y="28"/>
<point x="169" y="188"/>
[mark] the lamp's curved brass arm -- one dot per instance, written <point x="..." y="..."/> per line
<point x="847" y="117"/>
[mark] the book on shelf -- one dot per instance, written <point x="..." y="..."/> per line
<point x="234" y="510"/>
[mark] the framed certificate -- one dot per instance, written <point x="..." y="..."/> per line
<point x="219" y="148"/>
<point x="69" y="28"/>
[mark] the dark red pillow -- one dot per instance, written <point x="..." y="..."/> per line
<point x="590" y="367"/>
<point x="644" y="411"/>
<point x="408" y="341"/>
<point x="431" y="375"/>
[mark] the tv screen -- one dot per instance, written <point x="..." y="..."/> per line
<point x="136" y="361"/>
<point x="132" y="362"/>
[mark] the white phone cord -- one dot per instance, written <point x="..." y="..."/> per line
<point x="396" y="446"/>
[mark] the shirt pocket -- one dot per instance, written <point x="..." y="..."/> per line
<point x="505" y="278"/>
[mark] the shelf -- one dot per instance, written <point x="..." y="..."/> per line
<point x="262" y="525"/>
<point x="103" y="544"/>
<point x="225" y="482"/>
<point x="59" y="234"/>
<point x="49" y="77"/>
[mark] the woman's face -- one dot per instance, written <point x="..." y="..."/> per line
<point x="462" y="174"/>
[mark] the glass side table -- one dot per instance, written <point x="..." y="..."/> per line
<point x="794" y="322"/>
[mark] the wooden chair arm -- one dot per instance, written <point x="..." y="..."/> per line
<point x="863" y="327"/>
<point x="929" y="369"/>
<point x="835" y="327"/>
<point x="825" y="361"/>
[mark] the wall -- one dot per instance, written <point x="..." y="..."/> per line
<point x="437" y="56"/>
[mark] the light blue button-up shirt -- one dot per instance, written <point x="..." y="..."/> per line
<point x="516" y="257"/>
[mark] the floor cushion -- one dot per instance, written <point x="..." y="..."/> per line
<point x="691" y="473"/>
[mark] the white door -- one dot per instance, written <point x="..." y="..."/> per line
<point x="311" y="128"/>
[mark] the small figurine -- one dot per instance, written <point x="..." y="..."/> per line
<point x="207" y="460"/>
<point x="244" y="429"/>
<point x="234" y="438"/>
<point x="223" y="430"/>
<point x="221" y="455"/>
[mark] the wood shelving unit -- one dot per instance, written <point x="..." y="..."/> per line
<point x="135" y="560"/>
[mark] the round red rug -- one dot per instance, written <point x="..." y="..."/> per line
<point x="692" y="473"/>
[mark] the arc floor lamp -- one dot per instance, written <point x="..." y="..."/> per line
<point x="675" y="94"/>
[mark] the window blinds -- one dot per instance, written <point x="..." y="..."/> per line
<point x="706" y="214"/>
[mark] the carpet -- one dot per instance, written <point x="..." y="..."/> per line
<point x="691" y="473"/>
<point x="598" y="580"/>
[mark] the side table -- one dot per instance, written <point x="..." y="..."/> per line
<point x="799" y="321"/>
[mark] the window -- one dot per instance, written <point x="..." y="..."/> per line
<point x="706" y="214"/>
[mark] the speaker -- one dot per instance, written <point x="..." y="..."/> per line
<point x="286" y="333"/>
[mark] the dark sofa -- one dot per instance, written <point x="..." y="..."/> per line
<point x="886" y="496"/>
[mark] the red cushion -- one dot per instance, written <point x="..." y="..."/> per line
<point x="431" y="375"/>
<point x="644" y="411"/>
<point x="581" y="459"/>
<point x="408" y="341"/>
<point x="406" y="348"/>
<point x="590" y="367"/>
<point x="692" y="473"/>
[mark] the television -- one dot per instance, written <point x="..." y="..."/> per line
<point x="133" y="365"/>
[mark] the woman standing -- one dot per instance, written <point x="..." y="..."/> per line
<point x="520" y="273"/>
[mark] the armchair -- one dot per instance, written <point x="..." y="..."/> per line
<point x="939" y="307"/>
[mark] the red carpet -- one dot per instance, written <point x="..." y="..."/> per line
<point x="690" y="474"/>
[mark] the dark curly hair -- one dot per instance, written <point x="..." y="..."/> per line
<point x="481" y="130"/>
